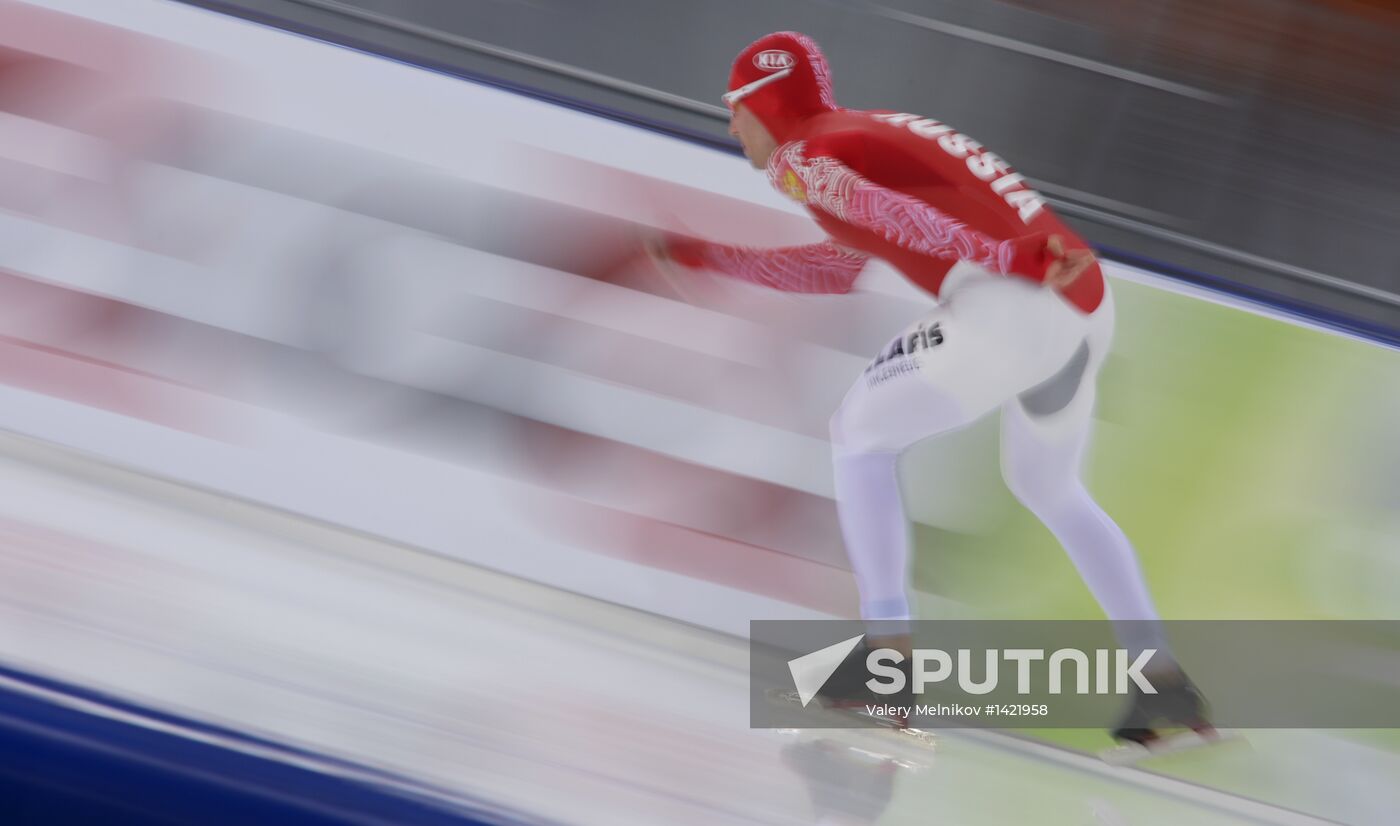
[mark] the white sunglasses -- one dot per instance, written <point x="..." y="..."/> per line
<point x="731" y="98"/>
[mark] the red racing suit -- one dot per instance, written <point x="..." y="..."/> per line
<point x="908" y="190"/>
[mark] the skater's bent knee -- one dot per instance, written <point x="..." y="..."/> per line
<point x="1039" y="490"/>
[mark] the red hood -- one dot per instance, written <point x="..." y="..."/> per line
<point x="784" y="104"/>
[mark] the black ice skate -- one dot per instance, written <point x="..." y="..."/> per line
<point x="849" y="688"/>
<point x="1172" y="720"/>
<point x="847" y="691"/>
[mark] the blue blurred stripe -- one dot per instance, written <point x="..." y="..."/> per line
<point x="72" y="755"/>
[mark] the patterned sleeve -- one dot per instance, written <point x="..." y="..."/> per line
<point x="814" y="268"/>
<point x="825" y="183"/>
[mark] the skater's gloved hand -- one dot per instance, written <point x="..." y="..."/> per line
<point x="1065" y="266"/>
<point x="671" y="254"/>
<point x="667" y="249"/>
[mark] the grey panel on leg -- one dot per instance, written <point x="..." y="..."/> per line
<point x="1056" y="392"/>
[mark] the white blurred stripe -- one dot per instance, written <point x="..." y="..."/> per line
<point x="238" y="616"/>
<point x="439" y="269"/>
<point x="50" y="147"/>
<point x="623" y="414"/>
<point x="451" y="509"/>
<point x="556" y="395"/>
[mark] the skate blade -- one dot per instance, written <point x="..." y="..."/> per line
<point x="1127" y="754"/>
<point x="922" y="737"/>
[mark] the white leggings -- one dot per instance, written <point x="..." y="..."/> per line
<point x="992" y="342"/>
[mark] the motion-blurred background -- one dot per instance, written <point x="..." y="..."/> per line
<point x="1245" y="139"/>
<point x="341" y="411"/>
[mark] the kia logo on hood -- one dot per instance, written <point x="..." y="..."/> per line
<point x="774" y="60"/>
